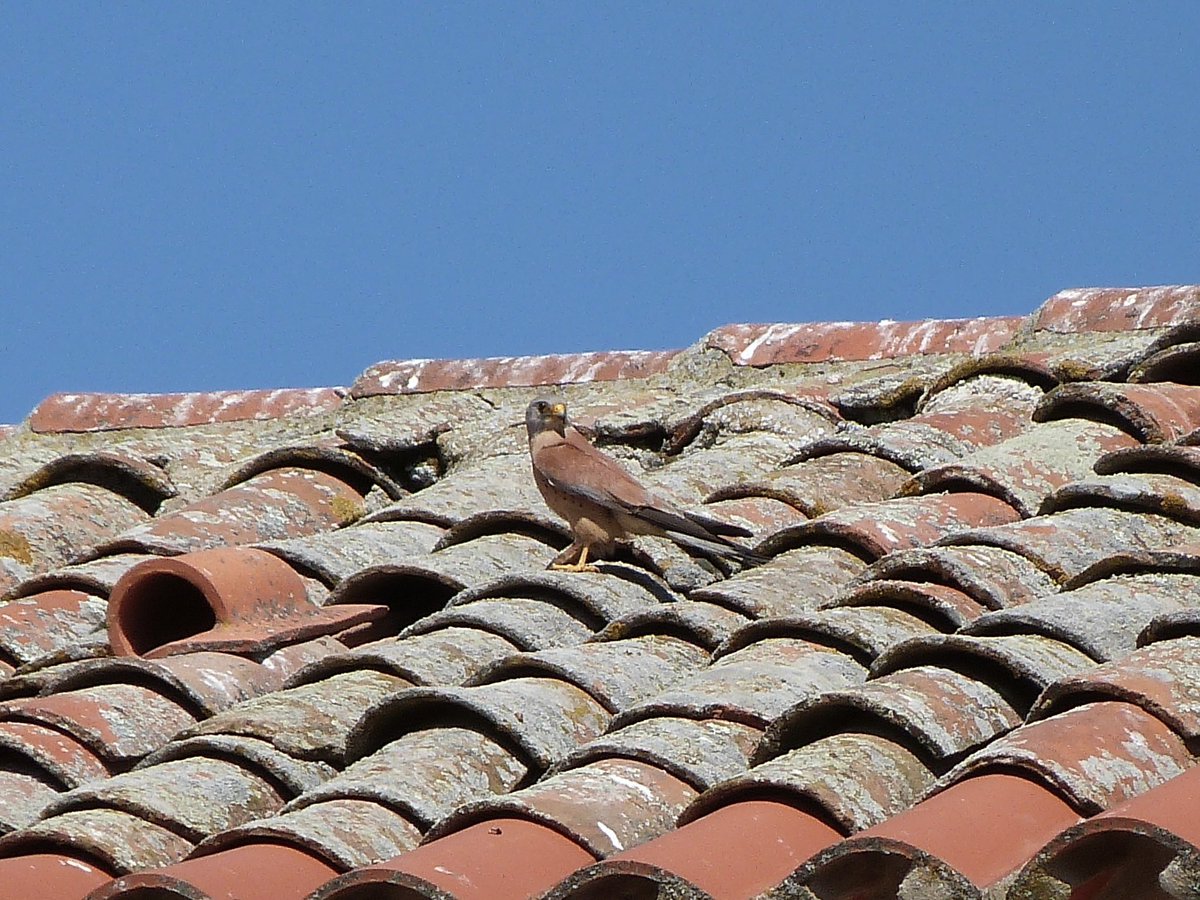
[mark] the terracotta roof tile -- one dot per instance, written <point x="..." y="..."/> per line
<point x="981" y="538"/>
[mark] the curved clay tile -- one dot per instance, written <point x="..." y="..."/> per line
<point x="994" y="577"/>
<point x="334" y="555"/>
<point x="1103" y="619"/>
<point x="823" y="483"/>
<point x="798" y="416"/>
<point x="948" y="608"/>
<point x="911" y="445"/>
<point x="543" y="717"/>
<point x="442" y="656"/>
<point x="700" y="752"/>
<point x="522" y="855"/>
<point x="876" y="529"/>
<point x="1023" y="470"/>
<point x="752" y="685"/>
<point x="1095" y="755"/>
<point x="852" y="779"/>
<point x="236" y="600"/>
<point x="1153" y="413"/>
<point x="721" y="854"/>
<point x="134" y="478"/>
<point x="605" y="806"/>
<point x="793" y="581"/>
<point x="1148" y="846"/>
<point x="35" y="626"/>
<point x="940" y="844"/>
<point x="1118" y="309"/>
<point x="57" y="525"/>
<point x="1066" y="544"/>
<point x="863" y="632"/>
<point x="1178" y="363"/>
<point x="1018" y="666"/>
<point x="278" y="504"/>
<point x="294" y="873"/>
<point x="703" y="624"/>
<point x="1159" y="678"/>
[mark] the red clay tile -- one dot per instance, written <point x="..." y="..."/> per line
<point x="235" y="599"/>
<point x="1103" y="619"/>
<point x="345" y="833"/>
<point x="1160" y="678"/>
<point x="753" y="410"/>
<point x="1118" y="309"/>
<point x="252" y="872"/>
<point x="825" y="483"/>
<point x="992" y="576"/>
<point x="1147" y="847"/>
<point x="605" y="806"/>
<point x="133" y="477"/>
<point x="793" y="581"/>
<point x="1067" y="544"/>
<point x="724" y="854"/>
<point x="116" y="840"/>
<point x="753" y="684"/>
<point x="764" y="345"/>
<point x="968" y="836"/>
<point x="120" y="723"/>
<point x="1178" y="363"/>
<point x="941" y="713"/>
<point x="1019" y="666"/>
<point x="281" y="503"/>
<point x="1023" y="470"/>
<point x="34" y="626"/>
<point x="66" y="760"/>
<point x="49" y="875"/>
<point x="938" y="603"/>
<point x="504" y="859"/>
<point x="1095" y="755"/>
<point x="57" y="524"/>
<point x="876" y="529"/>
<point x="1154" y="413"/>
<point x="105" y="412"/>
<point x="419" y="376"/>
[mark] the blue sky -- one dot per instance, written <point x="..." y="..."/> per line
<point x="209" y="196"/>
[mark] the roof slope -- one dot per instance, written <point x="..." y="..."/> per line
<point x="278" y="644"/>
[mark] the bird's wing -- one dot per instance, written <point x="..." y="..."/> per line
<point x="573" y="466"/>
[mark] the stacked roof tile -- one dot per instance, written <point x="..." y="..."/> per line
<point x="304" y="643"/>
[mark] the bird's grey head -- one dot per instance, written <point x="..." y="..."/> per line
<point x="546" y="414"/>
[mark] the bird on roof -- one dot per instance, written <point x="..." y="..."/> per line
<point x="604" y="504"/>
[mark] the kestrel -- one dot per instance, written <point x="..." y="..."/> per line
<point x="603" y="503"/>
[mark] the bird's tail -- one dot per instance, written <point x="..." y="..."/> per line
<point x="719" y="547"/>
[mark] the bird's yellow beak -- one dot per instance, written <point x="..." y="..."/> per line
<point x="558" y="409"/>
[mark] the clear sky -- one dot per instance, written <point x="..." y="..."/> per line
<point x="207" y="196"/>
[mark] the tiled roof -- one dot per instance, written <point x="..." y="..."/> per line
<point x="303" y="643"/>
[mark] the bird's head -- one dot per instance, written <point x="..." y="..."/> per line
<point x="546" y="414"/>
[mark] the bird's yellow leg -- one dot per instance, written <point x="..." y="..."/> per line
<point x="579" y="566"/>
